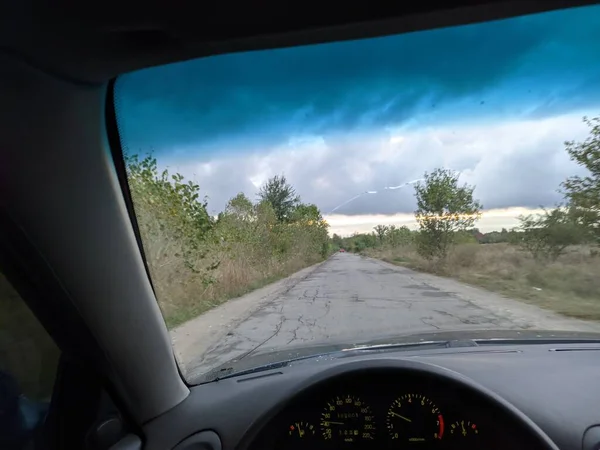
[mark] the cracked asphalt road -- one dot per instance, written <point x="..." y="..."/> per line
<point x="350" y="299"/>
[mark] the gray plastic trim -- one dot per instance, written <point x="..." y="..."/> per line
<point x="62" y="189"/>
<point x="591" y="438"/>
<point x="129" y="442"/>
<point x="205" y="440"/>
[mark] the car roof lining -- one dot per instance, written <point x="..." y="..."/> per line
<point x="92" y="46"/>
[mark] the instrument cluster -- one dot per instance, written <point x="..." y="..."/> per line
<point x="387" y="412"/>
<point x="410" y="420"/>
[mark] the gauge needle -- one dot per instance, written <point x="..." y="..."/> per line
<point x="402" y="417"/>
<point x="335" y="423"/>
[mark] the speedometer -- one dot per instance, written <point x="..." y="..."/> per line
<point x="347" y="419"/>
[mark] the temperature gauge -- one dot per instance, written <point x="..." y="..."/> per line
<point x="463" y="428"/>
<point x="301" y="430"/>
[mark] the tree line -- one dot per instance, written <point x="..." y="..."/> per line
<point x="447" y="212"/>
<point x="197" y="260"/>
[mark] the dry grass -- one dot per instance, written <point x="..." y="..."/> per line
<point x="183" y="294"/>
<point x="570" y="285"/>
<point x="197" y="263"/>
<point x="181" y="300"/>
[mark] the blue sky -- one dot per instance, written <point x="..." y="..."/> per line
<point x="494" y="100"/>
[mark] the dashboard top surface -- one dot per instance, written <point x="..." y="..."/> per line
<point x="553" y="386"/>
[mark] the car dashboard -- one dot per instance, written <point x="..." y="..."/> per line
<point x="494" y="396"/>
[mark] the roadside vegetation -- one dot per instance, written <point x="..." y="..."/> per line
<point x="551" y="259"/>
<point x="198" y="261"/>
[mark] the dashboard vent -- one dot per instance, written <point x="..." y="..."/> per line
<point x="536" y="341"/>
<point x="576" y="349"/>
<point x="467" y="352"/>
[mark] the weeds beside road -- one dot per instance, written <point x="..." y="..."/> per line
<point x="198" y="261"/>
<point x="570" y="285"/>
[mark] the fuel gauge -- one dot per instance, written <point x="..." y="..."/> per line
<point x="301" y="430"/>
<point x="463" y="428"/>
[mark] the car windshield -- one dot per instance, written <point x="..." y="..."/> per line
<point x="293" y="201"/>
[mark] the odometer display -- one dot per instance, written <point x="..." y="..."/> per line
<point x="347" y="419"/>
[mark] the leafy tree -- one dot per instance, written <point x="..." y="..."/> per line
<point x="337" y="241"/>
<point x="495" y="237"/>
<point x="176" y="203"/>
<point x="464" y="237"/>
<point x="237" y="222"/>
<point x="398" y="236"/>
<point x="547" y="235"/>
<point x="169" y="209"/>
<point x="240" y="207"/>
<point x="306" y="213"/>
<point x="308" y="216"/>
<point x="443" y="208"/>
<point x="515" y="236"/>
<point x="360" y="241"/>
<point x="281" y="195"/>
<point x="583" y="192"/>
<point x="380" y="230"/>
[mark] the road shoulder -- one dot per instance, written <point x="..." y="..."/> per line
<point x="198" y="335"/>
<point x="520" y="313"/>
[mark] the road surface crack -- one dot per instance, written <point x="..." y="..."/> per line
<point x="311" y="297"/>
<point x="424" y="320"/>
<point x="295" y="331"/>
<point x="278" y="327"/>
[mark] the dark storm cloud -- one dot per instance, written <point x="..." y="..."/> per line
<point x="240" y="106"/>
<point x="265" y="96"/>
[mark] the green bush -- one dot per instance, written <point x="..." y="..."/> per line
<point x="444" y="209"/>
<point x="197" y="261"/>
<point x="547" y="235"/>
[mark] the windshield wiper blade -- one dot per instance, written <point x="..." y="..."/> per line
<point x="225" y="372"/>
<point x="264" y="367"/>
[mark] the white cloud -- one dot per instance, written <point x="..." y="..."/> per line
<point x="512" y="164"/>
<point x="493" y="219"/>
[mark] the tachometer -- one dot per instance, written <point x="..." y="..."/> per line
<point x="347" y="419"/>
<point x="414" y="418"/>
